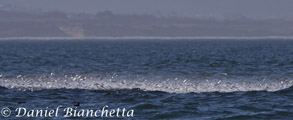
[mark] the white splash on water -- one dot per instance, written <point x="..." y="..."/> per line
<point x="147" y="83"/>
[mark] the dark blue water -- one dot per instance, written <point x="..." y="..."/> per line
<point x="157" y="79"/>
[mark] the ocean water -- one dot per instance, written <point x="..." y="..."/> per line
<point x="157" y="79"/>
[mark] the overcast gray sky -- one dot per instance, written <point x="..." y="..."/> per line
<point x="186" y="8"/>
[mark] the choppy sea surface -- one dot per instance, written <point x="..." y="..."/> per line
<point x="158" y="79"/>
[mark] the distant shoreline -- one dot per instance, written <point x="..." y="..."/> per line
<point x="147" y="38"/>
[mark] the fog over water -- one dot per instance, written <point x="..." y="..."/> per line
<point x="257" y="9"/>
<point x="163" y="59"/>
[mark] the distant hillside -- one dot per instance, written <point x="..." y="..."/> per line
<point x="57" y="24"/>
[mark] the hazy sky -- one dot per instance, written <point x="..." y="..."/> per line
<point x="185" y="8"/>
